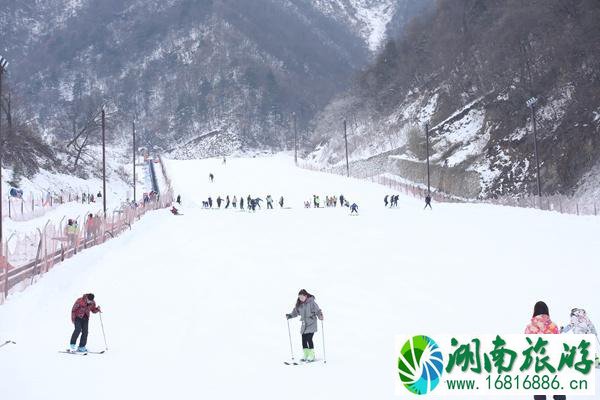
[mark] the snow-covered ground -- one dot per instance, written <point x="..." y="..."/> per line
<point x="194" y="305"/>
<point x="45" y="181"/>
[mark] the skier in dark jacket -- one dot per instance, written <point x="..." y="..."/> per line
<point x="179" y="199"/>
<point x="281" y="202"/>
<point x="211" y="177"/>
<point x="341" y="200"/>
<point x="210" y="202"/>
<point x="309" y="311"/>
<point x="227" y="202"/>
<point x="385" y="200"/>
<point x="80" y="316"/>
<point x="241" y="203"/>
<point x="428" y="202"/>
<point x="354" y="208"/>
<point x="219" y="201"/>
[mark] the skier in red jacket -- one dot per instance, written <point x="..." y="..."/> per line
<point x="80" y="316"/>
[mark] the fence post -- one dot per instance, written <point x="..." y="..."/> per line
<point x="9" y="208"/>
<point x="595" y="214"/>
<point x="5" y="269"/>
<point x="577" y="205"/>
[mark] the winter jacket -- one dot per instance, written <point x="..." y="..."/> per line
<point x="81" y="308"/>
<point x="308" y="311"/>
<point x="541" y="325"/>
<point x="71" y="229"/>
<point x="580" y="325"/>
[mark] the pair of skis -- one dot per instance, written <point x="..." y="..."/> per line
<point x="301" y="362"/>
<point x="81" y="353"/>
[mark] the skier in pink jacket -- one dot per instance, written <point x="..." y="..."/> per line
<point x="541" y="324"/>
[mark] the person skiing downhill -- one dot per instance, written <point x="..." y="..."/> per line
<point x="219" y="201"/>
<point x="385" y="200"/>
<point x="211" y="177"/>
<point x="309" y="311"/>
<point x="269" y="202"/>
<point x="80" y="316"/>
<point x="541" y="324"/>
<point x="241" y="202"/>
<point x="281" y="202"/>
<point x="354" y="208"/>
<point x="428" y="202"/>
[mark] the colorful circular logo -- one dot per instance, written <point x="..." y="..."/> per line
<point x="420" y="364"/>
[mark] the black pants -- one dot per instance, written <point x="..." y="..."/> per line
<point x="556" y="397"/>
<point x="307" y="341"/>
<point x="81" y="327"/>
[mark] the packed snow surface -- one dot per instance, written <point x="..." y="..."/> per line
<point x="194" y="305"/>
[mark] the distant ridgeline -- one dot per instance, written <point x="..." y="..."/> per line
<point x="467" y="69"/>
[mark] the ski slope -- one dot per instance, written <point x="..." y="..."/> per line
<point x="194" y="305"/>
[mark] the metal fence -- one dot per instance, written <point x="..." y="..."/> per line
<point x="31" y="206"/>
<point x="24" y="258"/>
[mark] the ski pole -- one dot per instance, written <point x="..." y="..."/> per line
<point x="290" y="336"/>
<point x="323" y="335"/>
<point x="103" y="334"/>
<point x="7" y="342"/>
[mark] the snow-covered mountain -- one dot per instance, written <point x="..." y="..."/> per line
<point x="228" y="71"/>
<point x="468" y="68"/>
<point x="369" y="18"/>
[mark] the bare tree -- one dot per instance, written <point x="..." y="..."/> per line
<point x="82" y="119"/>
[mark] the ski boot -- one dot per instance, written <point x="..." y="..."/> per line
<point x="82" y="349"/>
<point x="305" y="358"/>
<point x="311" y="355"/>
<point x="72" y="348"/>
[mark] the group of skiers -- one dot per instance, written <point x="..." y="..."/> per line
<point x="309" y="312"/>
<point x="251" y="203"/>
<point x="541" y="324"/>
<point x="93" y="224"/>
<point x="391" y="200"/>
<point x="89" y="197"/>
<point x="330" y="201"/>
